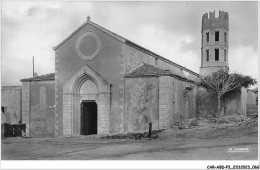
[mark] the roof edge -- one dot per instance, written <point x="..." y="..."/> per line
<point x="170" y="75"/>
<point x="40" y="78"/>
<point x="160" y="57"/>
<point x="70" y="35"/>
<point x="18" y="87"/>
<point x="28" y="80"/>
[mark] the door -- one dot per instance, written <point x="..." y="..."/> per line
<point x="88" y="118"/>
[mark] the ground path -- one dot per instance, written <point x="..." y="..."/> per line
<point x="171" y="148"/>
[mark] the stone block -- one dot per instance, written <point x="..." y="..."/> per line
<point x="163" y="106"/>
<point x="164" y="96"/>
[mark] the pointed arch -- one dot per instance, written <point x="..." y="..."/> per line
<point x="72" y="98"/>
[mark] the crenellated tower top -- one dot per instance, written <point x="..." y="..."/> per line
<point x="209" y="22"/>
<point x="214" y="44"/>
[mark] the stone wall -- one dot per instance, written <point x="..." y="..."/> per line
<point x="176" y="70"/>
<point x="185" y="106"/>
<point x="251" y="97"/>
<point x="243" y="101"/>
<point x="175" y="103"/>
<point x="42" y="110"/>
<point x="26" y="106"/>
<point x="207" y="104"/>
<point x="106" y="63"/>
<point x="134" y="56"/>
<point x="141" y="104"/>
<point x="11" y="102"/>
<point x="67" y="116"/>
<point x="104" y="113"/>
<point x="252" y="102"/>
<point x="166" y="102"/>
<point x="160" y="100"/>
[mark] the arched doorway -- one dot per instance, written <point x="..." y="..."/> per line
<point x="89" y="117"/>
<point x="86" y="108"/>
<point x="89" y="92"/>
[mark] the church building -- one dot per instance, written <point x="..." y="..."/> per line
<point x="104" y="83"/>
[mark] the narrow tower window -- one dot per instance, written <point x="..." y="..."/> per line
<point x="207" y="36"/>
<point x="225" y="37"/>
<point x="216" y="54"/>
<point x="217" y="36"/>
<point x="225" y="55"/>
<point x="207" y="54"/>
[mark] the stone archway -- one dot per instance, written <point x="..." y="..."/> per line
<point x="85" y="85"/>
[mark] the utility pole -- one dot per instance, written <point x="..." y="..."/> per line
<point x="33" y="65"/>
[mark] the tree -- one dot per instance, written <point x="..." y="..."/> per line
<point x="224" y="84"/>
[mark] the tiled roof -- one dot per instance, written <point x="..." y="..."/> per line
<point x="146" y="70"/>
<point x="46" y="77"/>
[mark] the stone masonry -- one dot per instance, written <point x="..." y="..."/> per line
<point x="26" y="106"/>
<point x="11" y="101"/>
<point x="73" y="95"/>
<point x="165" y="101"/>
<point x="210" y="27"/>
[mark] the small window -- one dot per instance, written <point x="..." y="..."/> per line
<point x="216" y="54"/>
<point x="217" y="36"/>
<point x="225" y="37"/>
<point x="3" y="109"/>
<point x="207" y="54"/>
<point x="207" y="36"/>
<point x="225" y="55"/>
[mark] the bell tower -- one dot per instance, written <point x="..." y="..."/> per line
<point x="214" y="42"/>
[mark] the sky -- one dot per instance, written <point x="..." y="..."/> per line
<point x="170" y="29"/>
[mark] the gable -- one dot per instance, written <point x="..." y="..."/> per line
<point x="115" y="36"/>
<point x="95" y="29"/>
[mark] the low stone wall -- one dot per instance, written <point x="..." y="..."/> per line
<point x="207" y="104"/>
<point x="11" y="103"/>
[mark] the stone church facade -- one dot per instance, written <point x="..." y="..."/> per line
<point x="91" y="65"/>
<point x="104" y="83"/>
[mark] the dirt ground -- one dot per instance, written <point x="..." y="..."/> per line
<point x="198" y="143"/>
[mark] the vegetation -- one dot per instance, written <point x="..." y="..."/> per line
<point x="225" y="85"/>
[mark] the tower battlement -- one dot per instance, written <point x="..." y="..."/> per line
<point x="210" y="21"/>
<point x="214" y="44"/>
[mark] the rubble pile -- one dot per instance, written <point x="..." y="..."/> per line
<point x="133" y="136"/>
<point x="235" y="120"/>
<point x="190" y="123"/>
<point x="229" y="120"/>
<point x="227" y="126"/>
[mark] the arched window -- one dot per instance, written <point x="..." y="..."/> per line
<point x="207" y="36"/>
<point x="225" y="37"/>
